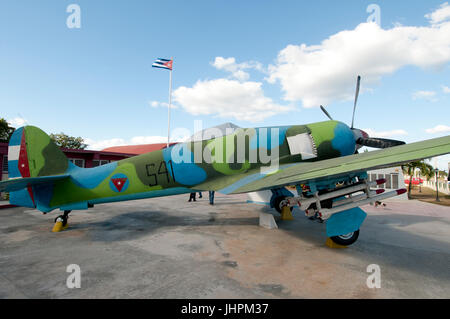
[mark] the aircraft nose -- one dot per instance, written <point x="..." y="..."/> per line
<point x="364" y="134"/>
<point x="359" y="134"/>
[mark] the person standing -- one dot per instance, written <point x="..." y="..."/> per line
<point x="192" y="197"/>
<point x="211" y="197"/>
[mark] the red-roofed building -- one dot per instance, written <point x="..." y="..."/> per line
<point x="137" y="149"/>
<point x="88" y="159"/>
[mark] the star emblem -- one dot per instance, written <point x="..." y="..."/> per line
<point x="119" y="182"/>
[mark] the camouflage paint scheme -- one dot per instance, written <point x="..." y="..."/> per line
<point x="157" y="173"/>
<point x="318" y="155"/>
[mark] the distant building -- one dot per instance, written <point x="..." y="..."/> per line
<point x="394" y="179"/>
<point x="137" y="149"/>
<point x="4" y="161"/>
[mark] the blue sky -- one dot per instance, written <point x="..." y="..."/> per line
<point x="97" y="81"/>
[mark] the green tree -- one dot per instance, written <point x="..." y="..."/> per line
<point x="443" y="174"/>
<point x="5" y="131"/>
<point x="425" y="170"/>
<point x="65" y="141"/>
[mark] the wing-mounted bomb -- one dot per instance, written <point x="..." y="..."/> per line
<point x="337" y="204"/>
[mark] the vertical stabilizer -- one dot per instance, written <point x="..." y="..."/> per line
<point x="31" y="153"/>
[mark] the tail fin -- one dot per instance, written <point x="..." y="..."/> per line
<point x="32" y="153"/>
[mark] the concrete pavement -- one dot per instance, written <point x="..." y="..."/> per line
<point x="169" y="248"/>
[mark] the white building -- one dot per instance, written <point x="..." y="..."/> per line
<point x="394" y="180"/>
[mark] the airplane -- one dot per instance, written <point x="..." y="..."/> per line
<point x="320" y="159"/>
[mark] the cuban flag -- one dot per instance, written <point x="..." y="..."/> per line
<point x="163" y="64"/>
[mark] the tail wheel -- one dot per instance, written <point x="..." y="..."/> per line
<point x="347" y="239"/>
<point x="277" y="203"/>
<point x="63" y="218"/>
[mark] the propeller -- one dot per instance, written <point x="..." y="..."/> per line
<point x="361" y="137"/>
<point x="358" y="83"/>
<point x="326" y="113"/>
<point x="378" y="142"/>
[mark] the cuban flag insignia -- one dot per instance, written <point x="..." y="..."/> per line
<point x="163" y="64"/>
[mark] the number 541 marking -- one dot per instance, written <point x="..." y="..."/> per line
<point x="162" y="170"/>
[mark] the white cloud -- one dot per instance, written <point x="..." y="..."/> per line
<point x="440" y="15"/>
<point x="228" y="99"/>
<point x="156" y="104"/>
<point x="438" y="129"/>
<point x="445" y="89"/>
<point x="148" y="140"/>
<point x="102" y="144"/>
<point x="442" y="162"/>
<point x="241" y="75"/>
<point x="236" y="69"/>
<point x="137" y="140"/>
<point x="17" y="122"/>
<point x="319" y="74"/>
<point x="427" y="95"/>
<point x="385" y="134"/>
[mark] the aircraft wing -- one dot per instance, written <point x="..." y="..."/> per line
<point x="20" y="183"/>
<point x="301" y="173"/>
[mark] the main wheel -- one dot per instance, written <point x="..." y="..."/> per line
<point x="277" y="203"/>
<point x="347" y="239"/>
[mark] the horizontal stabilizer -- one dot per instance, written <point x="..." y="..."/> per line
<point x="17" y="184"/>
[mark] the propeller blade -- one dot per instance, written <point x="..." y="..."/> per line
<point x="378" y="142"/>
<point x="358" y="83"/>
<point x="326" y="113"/>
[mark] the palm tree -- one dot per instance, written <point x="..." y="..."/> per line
<point x="425" y="170"/>
<point x="443" y="174"/>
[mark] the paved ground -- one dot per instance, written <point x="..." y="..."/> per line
<point x="429" y="195"/>
<point x="169" y="248"/>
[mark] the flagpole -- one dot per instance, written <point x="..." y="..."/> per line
<point x="168" y="108"/>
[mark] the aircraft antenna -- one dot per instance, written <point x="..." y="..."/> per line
<point x="356" y="99"/>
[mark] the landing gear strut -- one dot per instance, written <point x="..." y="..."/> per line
<point x="61" y="222"/>
<point x="277" y="204"/>
<point x="283" y="210"/>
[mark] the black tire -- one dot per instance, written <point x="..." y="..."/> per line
<point x="277" y="202"/>
<point x="64" y="219"/>
<point x="346" y="240"/>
